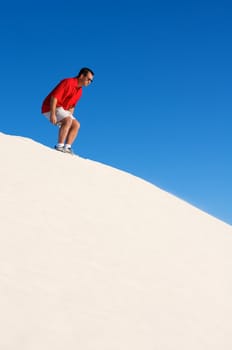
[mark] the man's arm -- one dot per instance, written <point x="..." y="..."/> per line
<point x="71" y="110"/>
<point x="53" y="104"/>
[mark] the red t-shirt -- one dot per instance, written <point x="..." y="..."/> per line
<point x="67" y="93"/>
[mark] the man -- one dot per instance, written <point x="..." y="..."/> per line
<point x="59" y="106"/>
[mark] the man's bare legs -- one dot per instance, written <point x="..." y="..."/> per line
<point x="73" y="131"/>
<point x="68" y="130"/>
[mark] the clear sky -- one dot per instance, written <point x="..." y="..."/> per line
<point x="160" y="105"/>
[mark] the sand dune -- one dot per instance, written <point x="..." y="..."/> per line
<point x="93" y="258"/>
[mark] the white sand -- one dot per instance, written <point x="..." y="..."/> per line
<point x="92" y="258"/>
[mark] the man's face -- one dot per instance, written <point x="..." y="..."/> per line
<point x="86" y="79"/>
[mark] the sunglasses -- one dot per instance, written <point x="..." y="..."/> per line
<point x="89" y="79"/>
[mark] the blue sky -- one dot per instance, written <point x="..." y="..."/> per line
<point x="160" y="105"/>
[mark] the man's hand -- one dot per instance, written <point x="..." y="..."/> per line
<point x="53" y="118"/>
<point x="71" y="110"/>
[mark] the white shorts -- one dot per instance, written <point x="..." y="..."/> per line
<point x="61" y="113"/>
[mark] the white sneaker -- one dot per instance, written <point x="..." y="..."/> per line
<point x="59" y="148"/>
<point x="68" y="150"/>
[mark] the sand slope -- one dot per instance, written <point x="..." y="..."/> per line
<point x="93" y="258"/>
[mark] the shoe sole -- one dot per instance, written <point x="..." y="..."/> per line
<point x="71" y="154"/>
<point x="64" y="151"/>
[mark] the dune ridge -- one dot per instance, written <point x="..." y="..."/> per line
<point x="92" y="257"/>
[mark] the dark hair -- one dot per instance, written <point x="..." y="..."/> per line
<point x="85" y="71"/>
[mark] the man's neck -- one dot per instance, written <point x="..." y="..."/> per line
<point x="79" y="84"/>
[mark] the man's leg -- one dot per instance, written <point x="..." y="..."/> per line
<point x="65" y="126"/>
<point x="72" y="132"/>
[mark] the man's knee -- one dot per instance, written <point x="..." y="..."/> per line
<point x="67" y="121"/>
<point x="76" y="124"/>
